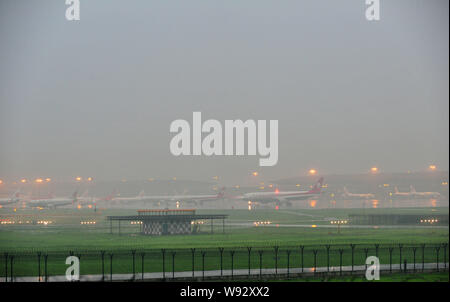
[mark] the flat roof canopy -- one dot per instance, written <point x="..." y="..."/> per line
<point x="166" y="217"/>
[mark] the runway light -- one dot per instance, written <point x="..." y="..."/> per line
<point x="48" y="179"/>
<point x="1" y="181"/>
<point x="39" y="180"/>
<point x="23" y="180"/>
<point x="78" y="178"/>
<point x="432" y="167"/>
<point x="374" y="169"/>
<point x="255" y="173"/>
<point x="312" y="172"/>
<point x="89" y="179"/>
<point x="314" y="226"/>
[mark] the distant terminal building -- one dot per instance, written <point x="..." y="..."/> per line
<point x="168" y="222"/>
<point x="394" y="219"/>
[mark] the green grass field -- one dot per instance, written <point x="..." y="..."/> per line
<point x="295" y="228"/>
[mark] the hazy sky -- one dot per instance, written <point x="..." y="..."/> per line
<point x="96" y="97"/>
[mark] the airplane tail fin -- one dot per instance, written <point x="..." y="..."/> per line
<point x="346" y="191"/>
<point x="317" y="187"/>
<point x="75" y="197"/>
<point x="221" y="193"/>
<point x="16" y="195"/>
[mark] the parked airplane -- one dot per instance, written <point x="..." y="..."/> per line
<point x="167" y="198"/>
<point x="282" y="197"/>
<point x="14" y="198"/>
<point x="52" y="202"/>
<point x="414" y="193"/>
<point x="347" y="194"/>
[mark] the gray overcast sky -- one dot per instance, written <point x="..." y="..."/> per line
<point x="96" y="97"/>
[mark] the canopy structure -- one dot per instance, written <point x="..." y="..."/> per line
<point x="168" y="222"/>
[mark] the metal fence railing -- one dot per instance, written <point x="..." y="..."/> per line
<point x="255" y="262"/>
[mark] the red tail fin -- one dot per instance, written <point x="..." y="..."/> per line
<point x="317" y="186"/>
<point x="221" y="193"/>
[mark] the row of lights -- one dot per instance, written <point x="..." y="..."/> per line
<point x="136" y="222"/>
<point x="428" y="221"/>
<point x="88" y="222"/>
<point x="258" y="223"/>
<point x="339" y="221"/>
<point x="7" y="222"/>
<point x="44" y="222"/>
<point x="198" y="222"/>
<point x="48" y="179"/>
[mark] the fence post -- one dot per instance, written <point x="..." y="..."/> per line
<point x="444" y="245"/>
<point x="405" y="265"/>
<point x="400" y="246"/>
<point x="377" y="245"/>
<point x="288" y="252"/>
<point x="328" y="257"/>
<point x="390" y="259"/>
<point x="221" y="261"/>
<point x="352" y="246"/>
<point x="423" y="257"/>
<point x="39" y="266"/>
<point x="173" y="265"/>
<point x="341" y="251"/>
<point x="260" y="252"/>
<point x="102" y="253"/>
<point x="414" y="258"/>
<point x="249" y="250"/>
<point x="6" y="267"/>
<point x="142" y="264"/>
<point x="232" y="263"/>
<point x="193" y="261"/>
<point x="11" y="265"/>
<point x="301" y="253"/>
<point x="276" y="259"/>
<point x="163" y="251"/>
<point x="315" y="261"/>
<point x="437" y="257"/>
<point x="45" y="265"/>
<point x="133" y="253"/>
<point x="366" y="253"/>
<point x="111" y="266"/>
<point x="203" y="265"/>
